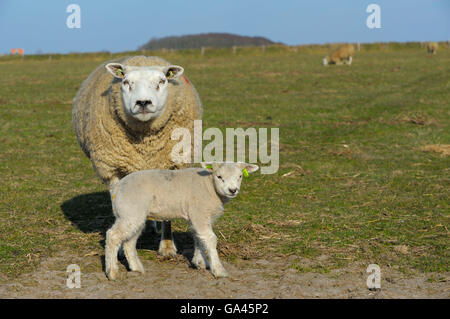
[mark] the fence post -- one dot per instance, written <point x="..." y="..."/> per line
<point x="359" y="46"/>
<point x="234" y="49"/>
<point x="203" y="51"/>
<point x="263" y="48"/>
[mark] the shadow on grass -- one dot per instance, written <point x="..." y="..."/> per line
<point x="92" y="213"/>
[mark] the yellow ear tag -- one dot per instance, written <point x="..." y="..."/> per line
<point x="170" y="74"/>
<point x="245" y="172"/>
<point x="209" y="166"/>
<point x="119" y="72"/>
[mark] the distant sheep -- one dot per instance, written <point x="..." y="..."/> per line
<point x="432" y="47"/>
<point x="342" y="54"/>
<point x="194" y="194"/>
<point x="124" y="114"/>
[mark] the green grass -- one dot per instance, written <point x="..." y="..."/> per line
<point x="350" y="137"/>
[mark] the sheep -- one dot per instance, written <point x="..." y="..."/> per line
<point x="197" y="195"/>
<point x="432" y="47"/>
<point x="342" y="54"/>
<point x="123" y="116"/>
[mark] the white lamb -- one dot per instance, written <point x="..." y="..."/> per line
<point x="194" y="194"/>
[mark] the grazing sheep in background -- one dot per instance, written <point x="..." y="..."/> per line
<point x="124" y="114"/>
<point x="432" y="47"/>
<point x="342" y="54"/>
<point x="194" y="194"/>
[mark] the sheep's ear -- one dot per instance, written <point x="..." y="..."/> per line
<point x="249" y="168"/>
<point x="116" y="69"/>
<point x="172" y="71"/>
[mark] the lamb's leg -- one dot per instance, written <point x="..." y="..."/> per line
<point x="129" y="247"/>
<point x="199" y="258"/>
<point x="114" y="239"/>
<point x="209" y="240"/>
<point x="166" y="245"/>
<point x="122" y="230"/>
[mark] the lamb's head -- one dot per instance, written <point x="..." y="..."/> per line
<point x="144" y="89"/>
<point x="227" y="176"/>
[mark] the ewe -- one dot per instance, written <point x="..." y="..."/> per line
<point x="194" y="194"/>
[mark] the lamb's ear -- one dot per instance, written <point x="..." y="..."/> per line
<point x="250" y="168"/>
<point x="116" y="69"/>
<point x="210" y="166"/>
<point x="172" y="71"/>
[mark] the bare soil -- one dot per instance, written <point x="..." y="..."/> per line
<point x="248" y="279"/>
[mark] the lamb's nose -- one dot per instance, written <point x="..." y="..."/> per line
<point x="144" y="103"/>
<point x="232" y="190"/>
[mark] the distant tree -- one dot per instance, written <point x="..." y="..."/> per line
<point x="196" y="41"/>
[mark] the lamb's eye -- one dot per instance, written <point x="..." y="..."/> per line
<point x="126" y="82"/>
<point x="162" y="81"/>
<point x="240" y="176"/>
<point x="220" y="177"/>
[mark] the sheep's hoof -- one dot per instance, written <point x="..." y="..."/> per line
<point x="220" y="272"/>
<point x="167" y="248"/>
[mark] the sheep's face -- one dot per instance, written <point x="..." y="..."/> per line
<point x="144" y="89"/>
<point x="228" y="176"/>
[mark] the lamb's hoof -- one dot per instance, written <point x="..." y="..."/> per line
<point x="198" y="262"/>
<point x="112" y="274"/>
<point x="137" y="269"/>
<point x="167" y="248"/>
<point x="219" y="272"/>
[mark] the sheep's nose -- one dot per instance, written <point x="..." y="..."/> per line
<point x="144" y="103"/>
<point x="232" y="190"/>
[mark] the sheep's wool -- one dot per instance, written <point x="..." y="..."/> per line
<point x="118" y="144"/>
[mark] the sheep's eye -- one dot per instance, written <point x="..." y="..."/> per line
<point x="240" y="176"/>
<point x="220" y="177"/>
<point x="126" y="82"/>
<point x="162" y="81"/>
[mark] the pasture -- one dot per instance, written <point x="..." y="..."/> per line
<point x="364" y="166"/>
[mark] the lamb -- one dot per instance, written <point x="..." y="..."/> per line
<point x="194" y="194"/>
<point x="342" y="54"/>
<point x="432" y="47"/>
<point x="123" y="116"/>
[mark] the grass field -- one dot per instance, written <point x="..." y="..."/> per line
<point x="361" y="174"/>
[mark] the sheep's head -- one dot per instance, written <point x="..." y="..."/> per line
<point x="228" y="176"/>
<point x="144" y="89"/>
<point x="325" y="61"/>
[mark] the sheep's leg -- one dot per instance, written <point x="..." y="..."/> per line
<point x="129" y="248"/>
<point x="166" y="245"/>
<point x="121" y="231"/>
<point x="199" y="258"/>
<point x="208" y="240"/>
<point x="157" y="227"/>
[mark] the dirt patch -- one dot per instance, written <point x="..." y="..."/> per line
<point x="259" y="278"/>
<point x="443" y="149"/>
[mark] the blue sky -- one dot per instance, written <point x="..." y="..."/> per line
<point x="40" y="26"/>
